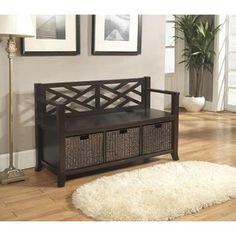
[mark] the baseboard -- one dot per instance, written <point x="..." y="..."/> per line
<point x="22" y="160"/>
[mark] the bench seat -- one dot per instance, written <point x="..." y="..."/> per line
<point x="114" y="120"/>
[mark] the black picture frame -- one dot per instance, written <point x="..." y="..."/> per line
<point x="139" y="41"/>
<point x="55" y="53"/>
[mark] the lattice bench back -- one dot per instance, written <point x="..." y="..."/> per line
<point x="88" y="97"/>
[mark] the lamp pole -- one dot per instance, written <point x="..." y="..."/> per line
<point x="11" y="174"/>
<point x="11" y="50"/>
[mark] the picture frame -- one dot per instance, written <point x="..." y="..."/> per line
<point x="116" y="34"/>
<point x="59" y="36"/>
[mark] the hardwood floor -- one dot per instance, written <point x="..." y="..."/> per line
<point x="204" y="136"/>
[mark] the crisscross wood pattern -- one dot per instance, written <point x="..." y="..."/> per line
<point x="121" y="95"/>
<point x="95" y="96"/>
<point x="74" y="99"/>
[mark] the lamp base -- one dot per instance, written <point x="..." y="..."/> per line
<point x="11" y="175"/>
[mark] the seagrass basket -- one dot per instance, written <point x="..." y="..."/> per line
<point x="121" y="144"/>
<point x="157" y="137"/>
<point x="84" y="150"/>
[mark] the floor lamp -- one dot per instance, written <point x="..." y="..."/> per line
<point x="11" y="27"/>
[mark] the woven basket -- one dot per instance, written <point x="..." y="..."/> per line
<point x="82" y="151"/>
<point x="157" y="137"/>
<point x="121" y="144"/>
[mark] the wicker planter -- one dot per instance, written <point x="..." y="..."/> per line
<point x="193" y="104"/>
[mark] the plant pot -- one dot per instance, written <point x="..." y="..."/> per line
<point x="193" y="104"/>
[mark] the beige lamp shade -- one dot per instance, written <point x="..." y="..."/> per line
<point x="16" y="25"/>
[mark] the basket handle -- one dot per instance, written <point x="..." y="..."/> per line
<point x="158" y="125"/>
<point x="84" y="136"/>
<point x="123" y="131"/>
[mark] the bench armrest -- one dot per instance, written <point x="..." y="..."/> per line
<point x="174" y="99"/>
<point x="60" y="111"/>
<point x="163" y="91"/>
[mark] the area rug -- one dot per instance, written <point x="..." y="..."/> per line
<point x="160" y="192"/>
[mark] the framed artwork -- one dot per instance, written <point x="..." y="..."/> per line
<point x="116" y="34"/>
<point x="55" y="35"/>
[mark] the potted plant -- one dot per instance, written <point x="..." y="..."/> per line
<point x="198" y="55"/>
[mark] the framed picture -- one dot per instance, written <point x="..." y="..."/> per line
<point x="55" y="35"/>
<point x="116" y="34"/>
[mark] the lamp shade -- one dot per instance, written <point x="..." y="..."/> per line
<point x="16" y="25"/>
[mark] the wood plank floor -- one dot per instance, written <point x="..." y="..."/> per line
<point x="204" y="136"/>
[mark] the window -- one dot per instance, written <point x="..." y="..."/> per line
<point x="170" y="45"/>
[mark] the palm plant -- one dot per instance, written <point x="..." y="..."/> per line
<point x="198" y="53"/>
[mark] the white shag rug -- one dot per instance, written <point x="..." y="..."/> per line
<point x="160" y="192"/>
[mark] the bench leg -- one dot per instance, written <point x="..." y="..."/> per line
<point x="61" y="180"/>
<point x="39" y="146"/>
<point x="175" y="156"/>
<point x="38" y="166"/>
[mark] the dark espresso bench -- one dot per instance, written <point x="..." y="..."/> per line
<point x="90" y="125"/>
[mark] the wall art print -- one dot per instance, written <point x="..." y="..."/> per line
<point x="55" y="35"/>
<point x="116" y="34"/>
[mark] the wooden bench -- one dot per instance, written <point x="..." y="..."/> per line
<point x="90" y="125"/>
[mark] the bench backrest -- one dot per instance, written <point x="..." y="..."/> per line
<point x="94" y="97"/>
